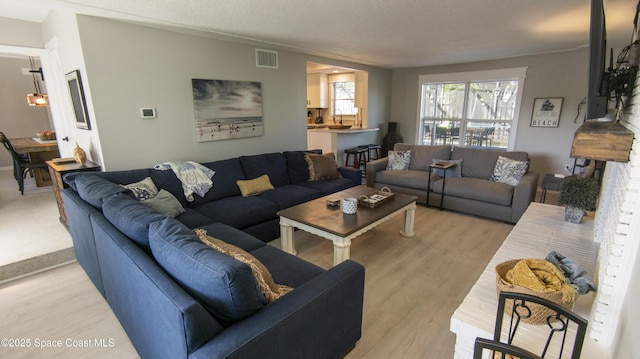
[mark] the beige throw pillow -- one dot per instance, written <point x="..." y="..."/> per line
<point x="254" y="186"/>
<point x="267" y="285"/>
<point x="322" y="166"/>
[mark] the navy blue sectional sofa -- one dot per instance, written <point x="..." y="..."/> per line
<point x="178" y="298"/>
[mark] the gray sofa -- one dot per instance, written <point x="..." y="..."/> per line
<point x="473" y="192"/>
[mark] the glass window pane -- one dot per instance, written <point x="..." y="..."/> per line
<point x="427" y="131"/>
<point x="494" y="100"/>
<point x="487" y="134"/>
<point x="344" y="98"/>
<point x="474" y="113"/>
<point x="449" y="100"/>
<point x="428" y="100"/>
<point x="444" y="100"/>
<point x="444" y="132"/>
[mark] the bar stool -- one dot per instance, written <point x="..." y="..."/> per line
<point x="376" y="150"/>
<point x="360" y="155"/>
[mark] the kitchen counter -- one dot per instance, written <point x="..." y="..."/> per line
<point x="337" y="141"/>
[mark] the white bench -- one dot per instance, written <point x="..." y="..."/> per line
<point x="541" y="229"/>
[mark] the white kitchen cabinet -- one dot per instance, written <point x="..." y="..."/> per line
<point x="317" y="85"/>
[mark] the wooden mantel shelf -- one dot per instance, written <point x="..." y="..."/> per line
<point x="604" y="141"/>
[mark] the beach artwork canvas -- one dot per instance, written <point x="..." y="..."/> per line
<point x="226" y="110"/>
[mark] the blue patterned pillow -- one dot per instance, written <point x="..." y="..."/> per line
<point x="144" y="189"/>
<point x="399" y="160"/>
<point x="509" y="171"/>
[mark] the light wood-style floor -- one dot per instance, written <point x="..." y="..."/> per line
<point x="412" y="287"/>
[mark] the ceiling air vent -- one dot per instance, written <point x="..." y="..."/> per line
<point x="266" y="58"/>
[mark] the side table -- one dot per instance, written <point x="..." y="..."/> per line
<point x="56" y="171"/>
<point x="443" y="166"/>
<point x="550" y="182"/>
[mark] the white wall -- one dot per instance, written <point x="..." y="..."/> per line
<point x="62" y="28"/>
<point x="130" y="66"/>
<point x="616" y="318"/>
<point x="20" y="33"/>
<point x="561" y="74"/>
<point x="17" y="119"/>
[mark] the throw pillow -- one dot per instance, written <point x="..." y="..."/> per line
<point x="322" y="166"/>
<point x="455" y="171"/>
<point x="165" y="203"/>
<point x="268" y="287"/>
<point x="399" y="160"/>
<point x="254" y="186"/>
<point x="144" y="189"/>
<point x="509" y="171"/>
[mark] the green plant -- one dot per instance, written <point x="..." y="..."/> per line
<point x="579" y="192"/>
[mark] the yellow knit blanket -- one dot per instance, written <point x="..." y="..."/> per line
<point x="541" y="276"/>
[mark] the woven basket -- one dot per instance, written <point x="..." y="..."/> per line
<point x="539" y="313"/>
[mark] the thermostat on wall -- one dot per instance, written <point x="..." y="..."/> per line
<point x="148" y="112"/>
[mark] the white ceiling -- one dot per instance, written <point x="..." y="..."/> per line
<point x="385" y="33"/>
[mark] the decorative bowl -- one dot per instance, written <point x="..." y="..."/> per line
<point x="339" y="127"/>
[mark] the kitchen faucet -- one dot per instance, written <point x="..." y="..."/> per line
<point x="334" y="115"/>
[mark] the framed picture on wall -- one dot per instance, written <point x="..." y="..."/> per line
<point x="78" y="100"/>
<point x="546" y="112"/>
<point x="227" y="110"/>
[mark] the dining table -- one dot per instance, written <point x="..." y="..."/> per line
<point x="38" y="151"/>
<point x="473" y="134"/>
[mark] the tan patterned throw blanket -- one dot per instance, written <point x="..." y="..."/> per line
<point x="541" y="276"/>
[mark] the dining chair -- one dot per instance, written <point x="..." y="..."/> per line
<point x="441" y="135"/>
<point x="563" y="325"/>
<point x="455" y="134"/>
<point x="485" y="136"/>
<point x="21" y="163"/>
<point x="499" y="350"/>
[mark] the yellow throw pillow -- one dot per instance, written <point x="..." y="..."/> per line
<point x="322" y="166"/>
<point x="254" y="186"/>
<point x="267" y="285"/>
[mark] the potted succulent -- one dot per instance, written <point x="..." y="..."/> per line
<point x="578" y="194"/>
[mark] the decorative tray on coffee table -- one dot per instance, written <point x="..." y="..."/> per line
<point x="376" y="198"/>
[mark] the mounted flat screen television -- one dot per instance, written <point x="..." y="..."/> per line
<point x="598" y="94"/>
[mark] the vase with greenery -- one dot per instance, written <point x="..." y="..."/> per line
<point x="578" y="194"/>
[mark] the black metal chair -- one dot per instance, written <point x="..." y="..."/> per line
<point x="485" y="136"/>
<point x="442" y="135"/>
<point x="21" y="163"/>
<point x="499" y="350"/>
<point x="560" y="322"/>
<point x="455" y="134"/>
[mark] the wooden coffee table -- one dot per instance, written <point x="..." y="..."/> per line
<point x="328" y="222"/>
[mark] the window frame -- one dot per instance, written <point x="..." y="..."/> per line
<point x="340" y="78"/>
<point x="509" y="74"/>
